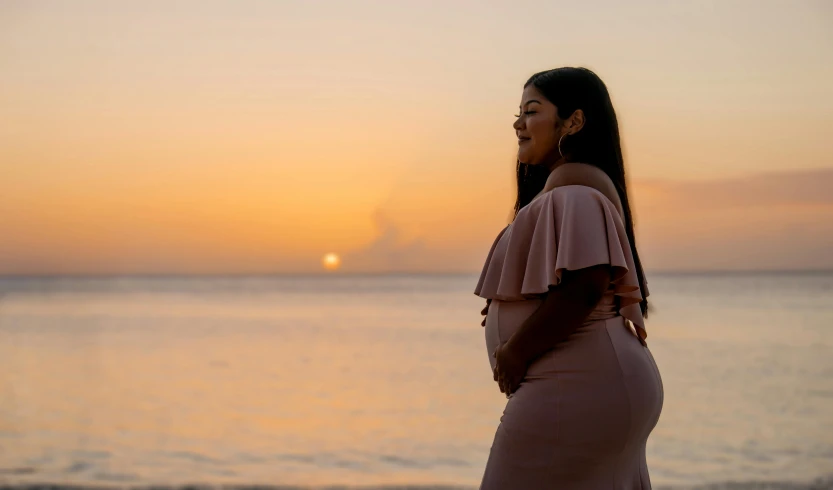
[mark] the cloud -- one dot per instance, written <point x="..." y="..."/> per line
<point x="388" y="252"/>
<point x="799" y="187"/>
<point x="770" y="221"/>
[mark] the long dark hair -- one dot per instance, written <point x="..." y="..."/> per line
<point x="596" y="144"/>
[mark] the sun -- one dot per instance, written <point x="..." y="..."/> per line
<point x="331" y="261"/>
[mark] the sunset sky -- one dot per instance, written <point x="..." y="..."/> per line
<point x="151" y="137"/>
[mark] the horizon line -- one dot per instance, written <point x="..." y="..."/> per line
<point x="240" y="275"/>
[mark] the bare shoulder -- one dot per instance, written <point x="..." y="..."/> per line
<point x="590" y="176"/>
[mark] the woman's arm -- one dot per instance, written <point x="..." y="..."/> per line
<point x="565" y="306"/>
<point x="563" y="310"/>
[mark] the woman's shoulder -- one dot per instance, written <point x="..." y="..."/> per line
<point x="585" y="175"/>
<point x="568" y="203"/>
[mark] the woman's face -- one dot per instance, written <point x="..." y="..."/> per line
<point x="537" y="129"/>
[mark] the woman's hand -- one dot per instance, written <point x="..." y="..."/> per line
<point x="510" y="369"/>
<point x="485" y="311"/>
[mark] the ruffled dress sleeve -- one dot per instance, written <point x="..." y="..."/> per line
<point x="567" y="228"/>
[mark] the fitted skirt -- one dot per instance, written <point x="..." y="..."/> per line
<point x="581" y="417"/>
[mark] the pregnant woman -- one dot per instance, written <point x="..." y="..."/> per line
<point x="566" y="298"/>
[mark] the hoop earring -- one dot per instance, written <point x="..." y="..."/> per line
<point x="559" y="144"/>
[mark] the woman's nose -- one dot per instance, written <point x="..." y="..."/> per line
<point x="517" y="124"/>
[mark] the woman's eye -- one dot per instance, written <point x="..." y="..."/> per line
<point x="526" y="113"/>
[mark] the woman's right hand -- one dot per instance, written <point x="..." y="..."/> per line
<point x="485" y="311"/>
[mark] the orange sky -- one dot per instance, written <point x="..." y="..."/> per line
<point x="254" y="137"/>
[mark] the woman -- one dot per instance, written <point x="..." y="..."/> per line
<point x="566" y="298"/>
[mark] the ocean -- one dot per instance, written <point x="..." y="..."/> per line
<point x="380" y="381"/>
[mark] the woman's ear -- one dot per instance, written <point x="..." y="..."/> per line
<point x="575" y="122"/>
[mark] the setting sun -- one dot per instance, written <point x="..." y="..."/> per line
<point x="331" y="261"/>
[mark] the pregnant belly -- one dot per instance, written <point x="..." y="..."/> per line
<point x="503" y="320"/>
<point x="506" y="317"/>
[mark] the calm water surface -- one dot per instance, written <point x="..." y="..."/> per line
<point x="379" y="380"/>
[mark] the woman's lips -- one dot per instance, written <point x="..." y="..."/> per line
<point x="522" y="140"/>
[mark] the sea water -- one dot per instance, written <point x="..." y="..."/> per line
<point x="380" y="380"/>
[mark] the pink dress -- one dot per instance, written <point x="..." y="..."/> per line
<point x="582" y="415"/>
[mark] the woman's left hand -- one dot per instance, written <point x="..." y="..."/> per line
<point x="510" y="369"/>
